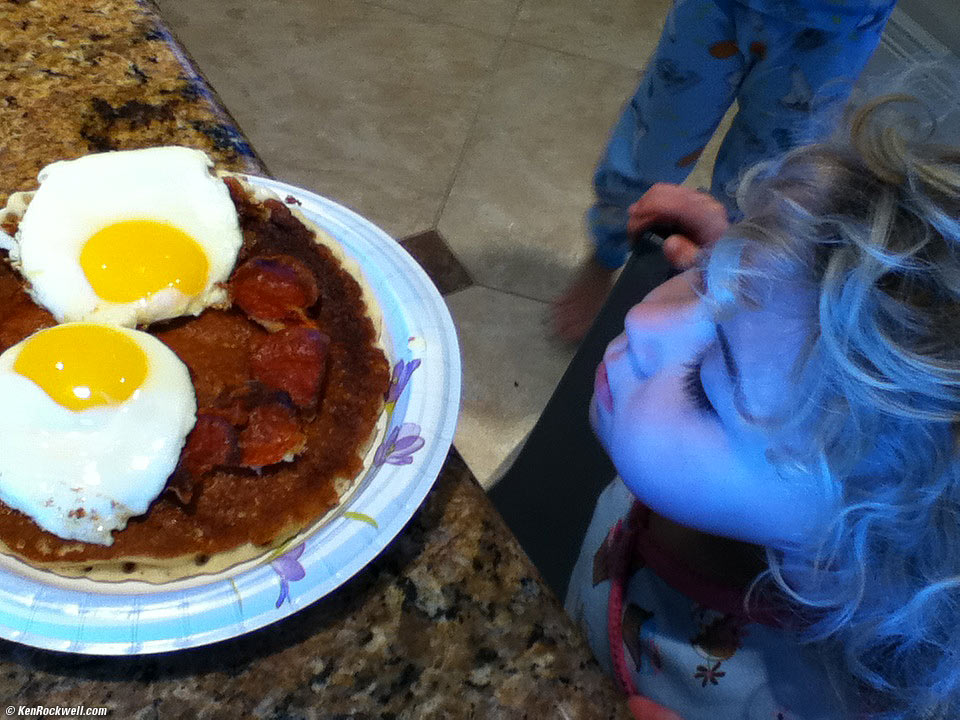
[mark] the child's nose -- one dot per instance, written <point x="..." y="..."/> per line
<point x="666" y="332"/>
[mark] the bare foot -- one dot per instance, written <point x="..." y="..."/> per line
<point x="572" y="313"/>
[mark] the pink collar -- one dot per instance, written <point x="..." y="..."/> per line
<point x="633" y="547"/>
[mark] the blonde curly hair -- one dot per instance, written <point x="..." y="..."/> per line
<point x="870" y="223"/>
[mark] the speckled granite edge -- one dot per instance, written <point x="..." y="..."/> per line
<point x="81" y="77"/>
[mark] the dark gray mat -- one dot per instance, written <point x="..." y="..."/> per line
<point x="548" y="494"/>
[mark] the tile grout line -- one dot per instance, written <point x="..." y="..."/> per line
<point x="484" y="93"/>
<point x="428" y="19"/>
<point x="502" y="292"/>
<point x="506" y="38"/>
<point x="569" y="54"/>
<point x="508" y="35"/>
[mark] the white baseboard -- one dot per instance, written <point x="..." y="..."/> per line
<point x="906" y="40"/>
<point x="907" y="46"/>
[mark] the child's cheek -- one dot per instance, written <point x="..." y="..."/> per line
<point x="647" y="428"/>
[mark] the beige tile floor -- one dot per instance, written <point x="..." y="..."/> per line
<point x="482" y="119"/>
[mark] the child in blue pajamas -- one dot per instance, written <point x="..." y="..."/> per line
<point x="786" y="62"/>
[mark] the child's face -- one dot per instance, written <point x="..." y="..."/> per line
<point x="663" y="408"/>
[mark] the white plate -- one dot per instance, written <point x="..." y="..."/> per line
<point x="82" y="616"/>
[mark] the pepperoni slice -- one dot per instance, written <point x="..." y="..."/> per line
<point x="246" y="206"/>
<point x="274" y="288"/>
<point x="281" y="216"/>
<point x="292" y="360"/>
<point x="212" y="442"/>
<point x="271" y="435"/>
<point x="231" y="408"/>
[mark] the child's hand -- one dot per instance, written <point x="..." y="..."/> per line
<point x="698" y="218"/>
<point x="645" y="709"/>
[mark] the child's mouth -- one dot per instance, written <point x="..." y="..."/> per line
<point x="601" y="388"/>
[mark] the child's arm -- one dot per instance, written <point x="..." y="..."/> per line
<point x="698" y="218"/>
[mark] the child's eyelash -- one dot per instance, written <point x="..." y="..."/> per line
<point x="693" y="386"/>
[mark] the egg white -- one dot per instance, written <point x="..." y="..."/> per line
<point x="77" y="198"/>
<point x="111" y="461"/>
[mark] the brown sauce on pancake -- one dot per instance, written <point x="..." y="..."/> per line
<point x="234" y="505"/>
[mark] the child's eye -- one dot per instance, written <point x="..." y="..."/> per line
<point x="693" y="386"/>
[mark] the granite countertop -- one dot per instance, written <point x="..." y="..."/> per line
<point x="451" y="620"/>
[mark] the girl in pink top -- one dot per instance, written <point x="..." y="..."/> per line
<point x="784" y="541"/>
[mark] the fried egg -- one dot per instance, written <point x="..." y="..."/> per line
<point x="128" y="237"/>
<point x="92" y="423"/>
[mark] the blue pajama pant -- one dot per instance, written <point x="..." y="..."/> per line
<point x="786" y="77"/>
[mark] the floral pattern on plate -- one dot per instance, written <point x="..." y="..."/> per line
<point x="397" y="448"/>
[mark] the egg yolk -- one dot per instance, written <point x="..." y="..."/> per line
<point x="133" y="259"/>
<point x="81" y="365"/>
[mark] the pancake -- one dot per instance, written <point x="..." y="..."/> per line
<point x="229" y="504"/>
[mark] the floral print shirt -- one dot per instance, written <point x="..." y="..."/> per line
<point x="681" y="640"/>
